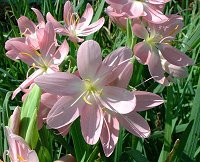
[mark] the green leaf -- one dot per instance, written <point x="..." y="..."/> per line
<point x="80" y="145"/>
<point x="44" y="155"/>
<point x="28" y="124"/>
<point x="168" y="126"/>
<point x="192" y="142"/>
<point x="131" y="155"/>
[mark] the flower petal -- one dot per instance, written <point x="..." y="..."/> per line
<point x="54" y="22"/>
<point x="32" y="157"/>
<point x="26" y="26"/>
<point x="118" y="99"/>
<point x="40" y="18"/>
<point x="91" y="123"/>
<point x="113" y="65"/>
<point x="109" y="134"/>
<point x="67" y="109"/>
<point x="146" y="100"/>
<point x="174" y="56"/>
<point x="134" y="9"/>
<point x="89" y="59"/>
<point x="61" y="53"/>
<point x="142" y="52"/>
<point x="86" y="17"/>
<point x="27" y="82"/>
<point x="140" y="31"/>
<point x="124" y="77"/>
<point x="48" y="43"/>
<point x="156" y="70"/>
<point x="154" y="15"/>
<point x="60" y="83"/>
<point x="64" y="130"/>
<point x="135" y="124"/>
<point x="92" y="28"/>
<point x="175" y="71"/>
<point x="68" y="16"/>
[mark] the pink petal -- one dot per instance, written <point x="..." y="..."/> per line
<point x="92" y="28"/>
<point x="86" y="17"/>
<point x="135" y="124"/>
<point x="158" y="1"/>
<point x="146" y="100"/>
<point x="27" y="82"/>
<point x="109" y="134"/>
<point x="32" y="157"/>
<point x="12" y="52"/>
<point x="48" y="44"/>
<point x="68" y="16"/>
<point x="60" y="83"/>
<point x="113" y="65"/>
<point x="140" y="31"/>
<point x="154" y="15"/>
<point x="156" y="70"/>
<point x="134" y="9"/>
<point x="25" y="52"/>
<point x="26" y="26"/>
<point x="61" y="53"/>
<point x="124" y="77"/>
<point x="142" y="52"/>
<point x="174" y="56"/>
<point x="40" y="18"/>
<point x="175" y="71"/>
<point x="118" y="99"/>
<point x="67" y="109"/>
<point x="64" y="130"/>
<point x="91" y="123"/>
<point x="42" y="113"/>
<point x="48" y="99"/>
<point x="14" y="121"/>
<point x="54" y="22"/>
<point x="89" y="59"/>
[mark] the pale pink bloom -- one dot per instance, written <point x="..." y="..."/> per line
<point x="132" y="121"/>
<point x="28" y="28"/>
<point x="19" y="149"/>
<point x="91" y="96"/>
<point x="148" y="9"/>
<point x="155" y="50"/>
<point x="117" y="17"/>
<point x="45" y="60"/>
<point x="76" y="27"/>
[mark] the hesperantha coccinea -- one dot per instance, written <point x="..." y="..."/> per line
<point x="95" y="85"/>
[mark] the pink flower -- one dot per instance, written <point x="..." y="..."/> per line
<point x="156" y="51"/>
<point x="100" y="98"/>
<point x="117" y="17"/>
<point x="19" y="149"/>
<point x="45" y="60"/>
<point x="28" y="28"/>
<point x="91" y="96"/>
<point x="132" y="121"/>
<point x="76" y="27"/>
<point x="148" y="9"/>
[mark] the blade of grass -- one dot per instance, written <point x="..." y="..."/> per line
<point x="192" y="142"/>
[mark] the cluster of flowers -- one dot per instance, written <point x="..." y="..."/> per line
<point x="97" y="90"/>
